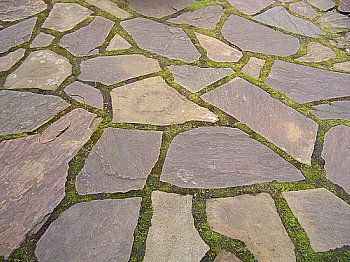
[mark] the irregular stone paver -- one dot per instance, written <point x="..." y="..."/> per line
<point x="206" y="17"/>
<point x="195" y="78"/>
<point x="118" y="43"/>
<point x="336" y="153"/>
<point x="250" y="7"/>
<point x="120" y="161"/>
<point x="337" y="110"/>
<point x="85" y="94"/>
<point x="24" y="112"/>
<point x="33" y="173"/>
<point x="255" y="221"/>
<point x="152" y="101"/>
<point x="343" y="66"/>
<point x="65" y="16"/>
<point x="306" y="84"/>
<point x="217" y="50"/>
<point x="41" y="40"/>
<point x="253" y="67"/>
<point x="225" y="256"/>
<point x="14" y="10"/>
<point x="344" y="42"/>
<point x="172" y="236"/>
<point x="110" y="7"/>
<point x="86" y="39"/>
<point x="344" y="6"/>
<point x="112" y="69"/>
<point x="323" y="5"/>
<point x="252" y="36"/>
<point x="17" y="34"/>
<point x="161" y="39"/>
<point x="222" y="157"/>
<point x="6" y="62"/>
<point x="41" y="69"/>
<point x="303" y="9"/>
<point x="100" y="230"/>
<point x="280" y="124"/>
<point x="334" y="21"/>
<point x="324" y="217"/>
<point x="317" y="52"/>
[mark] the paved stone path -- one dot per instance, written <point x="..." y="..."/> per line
<point x="175" y="130"/>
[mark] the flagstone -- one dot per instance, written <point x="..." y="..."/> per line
<point x="334" y="21"/>
<point x="42" y="40"/>
<point x="86" y="94"/>
<point x="316" y="53"/>
<point x="225" y="256"/>
<point x="118" y="43"/>
<point x="250" y="7"/>
<point x="323" y="5"/>
<point x="344" y="42"/>
<point x="9" y="60"/>
<point x="336" y="110"/>
<point x="110" y="7"/>
<point x="345" y="66"/>
<point x="253" y="67"/>
<point x="14" y="10"/>
<point x="344" y="6"/>
<point x="303" y="9"/>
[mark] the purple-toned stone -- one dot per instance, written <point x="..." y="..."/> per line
<point x="335" y="110"/>
<point x="110" y="7"/>
<point x="42" y="40"/>
<point x="11" y="10"/>
<point x="303" y="9"/>
<point x="86" y="94"/>
<point x="344" y="6"/>
<point x="6" y="62"/>
<point x="323" y="5"/>
<point x="334" y="21"/>
<point x="250" y="7"/>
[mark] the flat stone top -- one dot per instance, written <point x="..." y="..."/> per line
<point x="14" y="10"/>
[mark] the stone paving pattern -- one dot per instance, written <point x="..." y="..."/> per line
<point x="175" y="130"/>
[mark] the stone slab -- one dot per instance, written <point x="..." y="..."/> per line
<point x="86" y="94"/>
<point x="6" y="62"/>
<point x="316" y="53"/>
<point x="303" y="9"/>
<point x="250" y="7"/>
<point x="345" y="66"/>
<point x="225" y="256"/>
<point x="14" y="10"/>
<point x="334" y="21"/>
<point x="253" y="67"/>
<point x="118" y="43"/>
<point x="336" y="110"/>
<point x="323" y="5"/>
<point x="110" y="7"/>
<point x="344" y="6"/>
<point x="42" y="40"/>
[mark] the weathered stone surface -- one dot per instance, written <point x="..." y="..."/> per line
<point x="306" y="84"/>
<point x="85" y="94"/>
<point x="280" y="124"/>
<point x="302" y="8"/>
<point x="120" y="161"/>
<point x="217" y="157"/>
<point x="251" y="36"/>
<point x="118" y="43"/>
<point x="110" y="7"/>
<point x="255" y="221"/>
<point x="337" y="110"/>
<point x="344" y="42"/>
<point x="16" y="34"/>
<point x="206" y="17"/>
<point x="41" y="40"/>
<point x="173" y="229"/>
<point x="253" y="67"/>
<point x="217" y="50"/>
<point x="317" y="52"/>
<point x="41" y="69"/>
<point x="323" y="5"/>
<point x="100" y="230"/>
<point x="344" y="6"/>
<point x="195" y="78"/>
<point x="343" y="66"/>
<point x="225" y="256"/>
<point x="250" y="7"/>
<point x="336" y="153"/>
<point x="65" y="16"/>
<point x="279" y="17"/>
<point x="33" y="173"/>
<point x="324" y="217"/>
<point x="161" y="39"/>
<point x="6" y="62"/>
<point x="112" y="69"/>
<point x="334" y="21"/>
<point x="14" y="10"/>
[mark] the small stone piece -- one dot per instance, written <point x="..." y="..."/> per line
<point x="323" y="5"/>
<point x="324" y="217"/>
<point x="303" y="9"/>
<point x="100" y="230"/>
<point x="334" y="21"/>
<point x="344" y="42"/>
<point x="86" y="94"/>
<point x="217" y="50"/>
<point x="41" y="69"/>
<point x="255" y="221"/>
<point x="344" y="6"/>
<point x="316" y="53"/>
<point x="172" y="236"/>
<point x="253" y="67"/>
<point x="337" y="110"/>
<point x="8" y="61"/>
<point x="110" y="7"/>
<point x="250" y="7"/>
<point x="42" y="40"/>
<point x="112" y="69"/>
<point x="14" y="10"/>
<point x="345" y="66"/>
<point x="118" y="43"/>
<point x="161" y="39"/>
<point x="225" y="256"/>
<point x="195" y="78"/>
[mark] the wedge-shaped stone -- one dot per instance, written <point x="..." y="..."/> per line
<point x="251" y="36"/>
<point x="303" y="9"/>
<point x="343" y="66"/>
<point x="161" y="39"/>
<point x="250" y="7"/>
<point x="334" y="21"/>
<point x="336" y="110"/>
<point x="344" y="6"/>
<point x="323" y="5"/>
<point x="152" y="101"/>
<point x="86" y="94"/>
<point x="118" y="43"/>
<point x="6" y="62"/>
<point x="14" y="10"/>
<point x="317" y="52"/>
<point x="225" y="256"/>
<point x="280" y="124"/>
<point x="110" y="7"/>
<point x="255" y="221"/>
<point x="172" y="236"/>
<point x="253" y="67"/>
<point x="324" y="217"/>
<point x="42" y="40"/>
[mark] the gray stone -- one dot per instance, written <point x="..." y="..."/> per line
<point x="336" y="110"/>
<point x="251" y="36"/>
<point x="42" y="40"/>
<point x="41" y="69"/>
<point x="6" y="62"/>
<point x="225" y="256"/>
<point x="172" y="236"/>
<point x="161" y="39"/>
<point x="219" y="157"/>
<point x="323" y="5"/>
<point x="344" y="42"/>
<point x="120" y="161"/>
<point x="303" y="9"/>
<point x="33" y="173"/>
<point x="118" y="43"/>
<point x="306" y="84"/>
<point x="110" y="7"/>
<point x="345" y="66"/>
<point x="85" y="94"/>
<point x="112" y="69"/>
<point x="255" y="221"/>
<point x="334" y="21"/>
<point x="195" y="78"/>
<point x="250" y="7"/>
<point x="280" y="124"/>
<point x="317" y="52"/>
<point x="253" y="67"/>
<point x="344" y="6"/>
<point x="100" y="230"/>
<point x="14" y="10"/>
<point x="324" y="217"/>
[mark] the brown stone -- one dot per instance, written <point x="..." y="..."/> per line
<point x="250" y="7"/>
<point x="225" y="256"/>
<point x="335" y="110"/>
<point x="42" y="40"/>
<point x="86" y="94"/>
<point x="345" y="66"/>
<point x="334" y="21"/>
<point x="11" y="10"/>
<point x="253" y="67"/>
<point x="317" y="52"/>
<point x="118" y="43"/>
<point x="110" y="7"/>
<point x="6" y="62"/>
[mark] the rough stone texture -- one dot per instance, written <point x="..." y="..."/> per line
<point x="173" y="229"/>
<point x="65" y="16"/>
<point x="344" y="42"/>
<point x="253" y="67"/>
<point x="161" y="39"/>
<point x="85" y="94"/>
<point x="118" y="43"/>
<point x="14" y="10"/>
<point x="343" y="66"/>
<point x="152" y="101"/>
<point x="206" y="17"/>
<point x="16" y="34"/>
<point x="302" y="8"/>
<point x="42" y="40"/>
<point x="24" y="112"/>
<point x="317" y="52"/>
<point x="112" y="69"/>
<point x="324" y="217"/>
<point x="250" y="7"/>
<point x="334" y="21"/>
<point x="323" y="5"/>
<point x="336" y="153"/>
<point x="225" y="256"/>
<point x="217" y="50"/>
<point x="337" y="110"/>
<point x="110" y="7"/>
<point x="344" y="6"/>
<point x="86" y="39"/>
<point x="280" y="124"/>
<point x="306" y="84"/>
<point x="33" y="173"/>
<point x="255" y="221"/>
<point x="6" y="62"/>
<point x="100" y="230"/>
<point x="41" y="69"/>
<point x="120" y="161"/>
<point x="251" y="36"/>
<point x="281" y="18"/>
<point x="217" y="157"/>
<point x="195" y="78"/>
